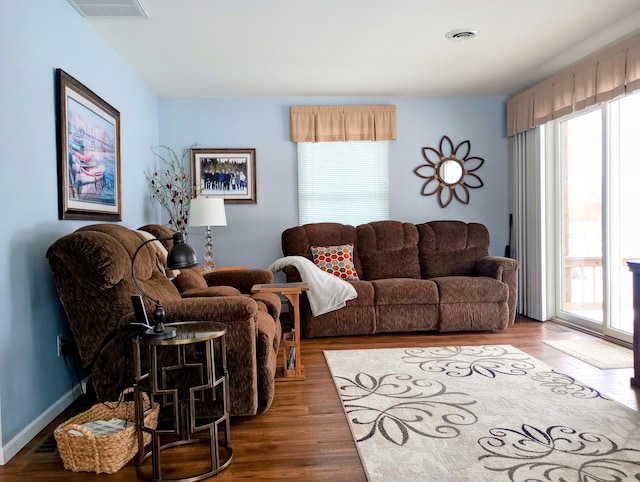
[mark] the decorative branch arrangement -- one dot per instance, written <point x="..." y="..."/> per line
<point x="171" y="185"/>
<point x="449" y="171"/>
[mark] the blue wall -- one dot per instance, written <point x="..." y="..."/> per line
<point x="36" y="37"/>
<point x="252" y="237"/>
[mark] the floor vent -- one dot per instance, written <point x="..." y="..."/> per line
<point x="47" y="446"/>
<point x="109" y="8"/>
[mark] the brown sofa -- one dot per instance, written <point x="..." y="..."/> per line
<point x="412" y="277"/>
<point x="91" y="269"/>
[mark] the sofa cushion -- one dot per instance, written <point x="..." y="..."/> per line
<point x="388" y="249"/>
<point x="405" y="291"/>
<point x="364" y="289"/>
<point x="404" y="304"/>
<point x="297" y="241"/>
<point x="451" y="248"/>
<point x="160" y="231"/>
<point x="473" y="316"/>
<point x="161" y="253"/>
<point x="358" y="317"/>
<point x="104" y="261"/>
<point x="336" y="260"/>
<point x="471" y="289"/>
<point x="402" y="263"/>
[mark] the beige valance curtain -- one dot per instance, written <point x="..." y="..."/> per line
<point x="331" y="123"/>
<point x="600" y="77"/>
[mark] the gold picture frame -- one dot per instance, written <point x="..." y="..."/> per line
<point x="88" y="138"/>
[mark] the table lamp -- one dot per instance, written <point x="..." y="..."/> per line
<point x="181" y="256"/>
<point x="207" y="211"/>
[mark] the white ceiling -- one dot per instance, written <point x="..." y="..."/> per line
<point x="212" y="48"/>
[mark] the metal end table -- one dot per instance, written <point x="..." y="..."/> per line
<point x="187" y="375"/>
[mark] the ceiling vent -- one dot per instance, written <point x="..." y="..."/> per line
<point x="462" y="34"/>
<point x="109" y="8"/>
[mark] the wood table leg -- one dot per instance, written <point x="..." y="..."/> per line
<point x="290" y="341"/>
<point x="298" y="368"/>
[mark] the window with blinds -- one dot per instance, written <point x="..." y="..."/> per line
<point x="343" y="182"/>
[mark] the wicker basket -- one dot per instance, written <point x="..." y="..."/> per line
<point x="103" y="453"/>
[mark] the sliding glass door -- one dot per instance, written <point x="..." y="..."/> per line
<point x="581" y="237"/>
<point x="624" y="203"/>
<point x="598" y="168"/>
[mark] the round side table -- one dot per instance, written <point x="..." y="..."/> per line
<point x="187" y="375"/>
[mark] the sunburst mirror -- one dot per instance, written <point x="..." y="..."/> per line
<point x="449" y="171"/>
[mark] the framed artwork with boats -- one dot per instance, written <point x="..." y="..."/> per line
<point x="88" y="136"/>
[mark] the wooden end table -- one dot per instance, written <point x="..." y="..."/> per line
<point x="292" y="367"/>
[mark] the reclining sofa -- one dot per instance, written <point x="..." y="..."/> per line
<point x="436" y="275"/>
<point x="91" y="270"/>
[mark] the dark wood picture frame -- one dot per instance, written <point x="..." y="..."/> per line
<point x="229" y="174"/>
<point x="88" y="138"/>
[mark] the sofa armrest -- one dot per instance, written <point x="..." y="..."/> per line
<point x="239" y="314"/>
<point x="210" y="291"/>
<point x="494" y="266"/>
<point x="271" y="301"/>
<point x="221" y="309"/>
<point x="505" y="270"/>
<point x="292" y="274"/>
<point x="243" y="280"/>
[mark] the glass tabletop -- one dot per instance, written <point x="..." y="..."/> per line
<point x="188" y="332"/>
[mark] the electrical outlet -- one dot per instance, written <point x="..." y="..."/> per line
<point x="64" y="345"/>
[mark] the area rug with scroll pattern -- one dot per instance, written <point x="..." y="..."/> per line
<point x="480" y="413"/>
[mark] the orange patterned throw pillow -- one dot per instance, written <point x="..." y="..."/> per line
<point x="337" y="260"/>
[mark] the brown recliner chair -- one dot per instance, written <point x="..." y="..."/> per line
<point x="91" y="269"/>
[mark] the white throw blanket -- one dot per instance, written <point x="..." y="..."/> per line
<point x="326" y="291"/>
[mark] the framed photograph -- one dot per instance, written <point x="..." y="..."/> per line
<point x="229" y="174"/>
<point x="88" y="135"/>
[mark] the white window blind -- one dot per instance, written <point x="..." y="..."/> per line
<point x="343" y="182"/>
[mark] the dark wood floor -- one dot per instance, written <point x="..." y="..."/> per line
<point x="304" y="435"/>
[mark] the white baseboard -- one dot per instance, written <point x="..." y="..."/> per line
<point x="17" y="443"/>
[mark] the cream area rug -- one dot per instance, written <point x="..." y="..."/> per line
<point x="480" y="413"/>
<point x="596" y="352"/>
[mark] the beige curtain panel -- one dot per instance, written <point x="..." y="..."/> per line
<point x="331" y="123"/>
<point x="603" y="76"/>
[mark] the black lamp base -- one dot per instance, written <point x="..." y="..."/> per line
<point x="167" y="334"/>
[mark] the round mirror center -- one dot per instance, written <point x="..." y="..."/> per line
<point x="450" y="171"/>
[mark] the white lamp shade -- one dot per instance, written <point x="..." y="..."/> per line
<point x="207" y="211"/>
